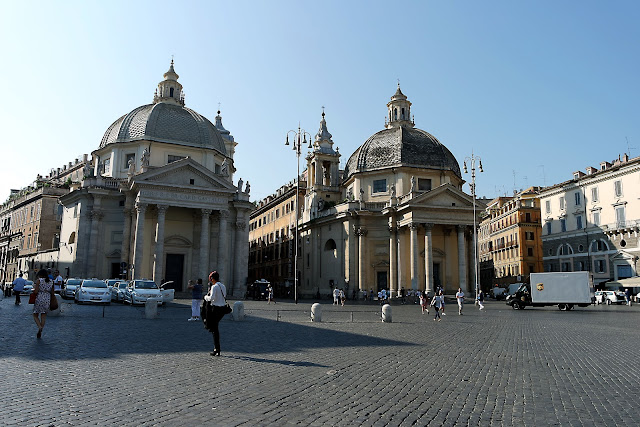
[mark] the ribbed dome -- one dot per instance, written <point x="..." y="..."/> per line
<point x="165" y="122"/>
<point x="401" y="146"/>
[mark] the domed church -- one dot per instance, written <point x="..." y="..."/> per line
<point x="159" y="201"/>
<point x="396" y="219"/>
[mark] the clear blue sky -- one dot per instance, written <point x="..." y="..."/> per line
<point x="537" y="89"/>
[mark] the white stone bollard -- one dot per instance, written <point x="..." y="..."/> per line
<point x="238" y="311"/>
<point x="316" y="312"/>
<point x="151" y="308"/>
<point x="386" y="313"/>
<point x="56" y="312"/>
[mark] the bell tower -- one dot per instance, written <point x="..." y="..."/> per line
<point x="323" y="173"/>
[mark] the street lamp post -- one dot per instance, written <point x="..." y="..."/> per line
<point x="299" y="139"/>
<point x="472" y="161"/>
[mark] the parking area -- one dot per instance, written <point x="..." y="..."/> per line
<point x="108" y="365"/>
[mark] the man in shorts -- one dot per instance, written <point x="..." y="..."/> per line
<point x="460" y="299"/>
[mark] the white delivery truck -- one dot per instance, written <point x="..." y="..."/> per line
<point x="562" y="289"/>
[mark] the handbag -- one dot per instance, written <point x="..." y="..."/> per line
<point x="53" y="302"/>
<point x="226" y="309"/>
<point x="32" y="297"/>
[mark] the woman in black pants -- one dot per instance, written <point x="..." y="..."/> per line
<point x="216" y="297"/>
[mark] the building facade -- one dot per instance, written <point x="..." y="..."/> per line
<point x="158" y="200"/>
<point x="509" y="239"/>
<point x="591" y="223"/>
<point x="397" y="217"/>
<point x="272" y="237"/>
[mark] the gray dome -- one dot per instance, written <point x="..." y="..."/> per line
<point x="401" y="146"/>
<point x="165" y="122"/>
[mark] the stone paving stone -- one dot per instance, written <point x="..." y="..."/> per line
<point x="111" y="366"/>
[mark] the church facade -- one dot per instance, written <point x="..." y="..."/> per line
<point x="395" y="218"/>
<point x="158" y="200"/>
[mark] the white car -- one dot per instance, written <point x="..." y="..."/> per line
<point x="610" y="297"/>
<point x="118" y="290"/>
<point x="93" y="290"/>
<point x="28" y="288"/>
<point x="139" y="291"/>
<point x="69" y="288"/>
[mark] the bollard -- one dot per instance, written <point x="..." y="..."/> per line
<point x="151" y="308"/>
<point x="238" y="311"/>
<point x="386" y="313"/>
<point x="316" y="312"/>
<point x="56" y="312"/>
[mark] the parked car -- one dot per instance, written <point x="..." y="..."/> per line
<point x="169" y="293"/>
<point x="498" y="293"/>
<point x="28" y="288"/>
<point x="93" y="290"/>
<point x="138" y="291"/>
<point x="69" y="288"/>
<point x="112" y="282"/>
<point x="609" y="297"/>
<point x="118" y="290"/>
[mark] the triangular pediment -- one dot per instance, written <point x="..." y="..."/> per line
<point x="446" y="195"/>
<point x="622" y="255"/>
<point x="185" y="173"/>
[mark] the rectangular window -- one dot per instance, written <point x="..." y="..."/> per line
<point x="617" y="185"/>
<point x="547" y="206"/>
<point x="563" y="225"/>
<point x="595" y="218"/>
<point x="379" y="185"/>
<point x="528" y="235"/>
<point x="599" y="266"/>
<point x="107" y="166"/>
<point x="171" y="159"/>
<point x="620" y="216"/>
<point x="132" y="157"/>
<point x="527" y="216"/>
<point x="424" y="184"/>
<point x="549" y="227"/>
<point x="578" y="198"/>
<point x="594" y="194"/>
<point x="562" y="203"/>
<point x="529" y="251"/>
<point x="579" y="222"/>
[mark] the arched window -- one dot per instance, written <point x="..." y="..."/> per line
<point x="402" y="114"/>
<point x="171" y="92"/>
<point x="395" y="114"/>
<point x="330" y="245"/>
<point x="72" y="238"/>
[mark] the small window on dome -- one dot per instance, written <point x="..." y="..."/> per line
<point x="403" y="114"/>
<point x="395" y="114"/>
<point x="379" y="185"/>
<point x="171" y="92"/>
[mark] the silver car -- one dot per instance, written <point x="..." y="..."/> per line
<point x="118" y="290"/>
<point x="69" y="288"/>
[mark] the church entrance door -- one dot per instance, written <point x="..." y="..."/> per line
<point x="174" y="271"/>
<point x="382" y="280"/>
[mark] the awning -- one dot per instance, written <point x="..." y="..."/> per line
<point x="631" y="282"/>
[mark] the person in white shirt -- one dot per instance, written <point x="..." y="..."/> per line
<point x="336" y="296"/>
<point x="216" y="297"/>
<point x="57" y="282"/>
<point x="460" y="299"/>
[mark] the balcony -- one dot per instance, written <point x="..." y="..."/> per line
<point x="622" y="227"/>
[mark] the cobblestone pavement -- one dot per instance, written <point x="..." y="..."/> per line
<point x="111" y="366"/>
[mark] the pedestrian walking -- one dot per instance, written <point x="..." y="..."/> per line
<point x="441" y="293"/>
<point x="460" y="299"/>
<point x="364" y="295"/>
<point x="481" y="299"/>
<point x="342" y="297"/>
<point x="627" y="296"/>
<point x="424" y="302"/>
<point x="196" y="297"/>
<point x="44" y="292"/>
<point x="57" y="282"/>
<point x="336" y="296"/>
<point x="216" y="299"/>
<point x="437" y="305"/>
<point x="270" y="294"/>
<point x="18" y="287"/>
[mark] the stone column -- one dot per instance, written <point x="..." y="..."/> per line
<point x="428" y="258"/>
<point x="96" y="216"/>
<point x="223" y="247"/>
<point x="462" y="259"/>
<point x="361" y="232"/>
<point x="82" y="244"/>
<point x="239" y="262"/>
<point x="158" y="270"/>
<point x="139" y="241"/>
<point x="205" y="233"/>
<point x="393" y="261"/>
<point x="413" y="227"/>
<point x="126" y="237"/>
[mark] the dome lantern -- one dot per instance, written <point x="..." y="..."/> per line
<point x="169" y="90"/>
<point x="399" y="111"/>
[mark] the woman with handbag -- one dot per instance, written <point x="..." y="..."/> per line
<point x="217" y="302"/>
<point x="43" y="289"/>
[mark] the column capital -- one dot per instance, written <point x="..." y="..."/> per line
<point x="224" y="214"/>
<point x="206" y="212"/>
<point x="461" y="227"/>
<point x="428" y="226"/>
<point x="141" y="207"/>
<point x="360" y="231"/>
<point x="162" y="208"/>
<point x="392" y="228"/>
<point x="413" y="225"/>
<point x="241" y="225"/>
<point x="97" y="214"/>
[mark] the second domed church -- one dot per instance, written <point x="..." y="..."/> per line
<point x="395" y="218"/>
